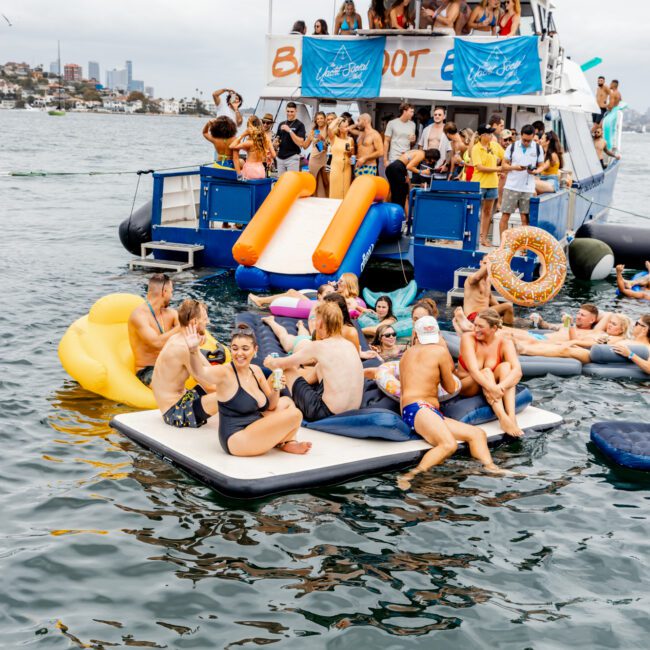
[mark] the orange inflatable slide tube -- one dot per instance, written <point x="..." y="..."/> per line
<point x="262" y="227"/>
<point x="331" y="250"/>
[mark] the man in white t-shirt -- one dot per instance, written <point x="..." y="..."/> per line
<point x="230" y="107"/>
<point x="400" y="134"/>
<point x="521" y="161"/>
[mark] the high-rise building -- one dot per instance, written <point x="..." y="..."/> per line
<point x="148" y="91"/>
<point x="72" y="72"/>
<point x="54" y="68"/>
<point x="136" y="85"/>
<point x="93" y="70"/>
<point x="116" y="79"/>
<point x="129" y="72"/>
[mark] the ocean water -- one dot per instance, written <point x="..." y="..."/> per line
<point x="103" y="545"/>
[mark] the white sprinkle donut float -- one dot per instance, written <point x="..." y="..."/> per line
<point x="553" y="266"/>
<point x="387" y="378"/>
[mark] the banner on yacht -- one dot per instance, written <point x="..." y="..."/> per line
<point x="342" y="68"/>
<point x="503" y="67"/>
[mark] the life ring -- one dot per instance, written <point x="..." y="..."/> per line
<point x="387" y="378"/>
<point x="552" y="261"/>
<point x="95" y="351"/>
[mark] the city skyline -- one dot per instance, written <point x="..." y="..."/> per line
<point x="201" y="37"/>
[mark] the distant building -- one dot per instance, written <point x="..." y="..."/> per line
<point x="129" y="73"/>
<point x="117" y="79"/>
<point x="72" y="72"/>
<point x="54" y="68"/>
<point x="93" y="71"/>
<point x="148" y="91"/>
<point x="136" y="86"/>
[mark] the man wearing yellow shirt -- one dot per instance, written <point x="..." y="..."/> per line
<point x="486" y="158"/>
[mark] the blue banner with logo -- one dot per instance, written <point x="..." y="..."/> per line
<point x="343" y="67"/>
<point x="507" y="66"/>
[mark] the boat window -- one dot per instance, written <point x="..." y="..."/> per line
<point x="527" y="23"/>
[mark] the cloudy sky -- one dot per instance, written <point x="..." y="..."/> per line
<point x="181" y="46"/>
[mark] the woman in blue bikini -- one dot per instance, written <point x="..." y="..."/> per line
<point x="485" y="17"/>
<point x="348" y="21"/>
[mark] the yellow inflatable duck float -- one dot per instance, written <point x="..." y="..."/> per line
<point x="95" y="351"/>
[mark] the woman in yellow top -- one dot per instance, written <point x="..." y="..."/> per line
<point x="342" y="149"/>
<point x="486" y="156"/>
<point x="553" y="161"/>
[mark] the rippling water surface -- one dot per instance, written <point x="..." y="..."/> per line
<point x="103" y="545"/>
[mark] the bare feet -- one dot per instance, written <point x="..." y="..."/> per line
<point x="404" y="481"/>
<point x="267" y="320"/>
<point x="295" y="447"/>
<point x="494" y="470"/>
<point x="509" y="425"/>
<point x="464" y="323"/>
<point x="487" y="243"/>
<point x="255" y="301"/>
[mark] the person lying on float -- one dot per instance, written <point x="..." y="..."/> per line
<point x="488" y="364"/>
<point x="628" y="292"/>
<point x="335" y="383"/>
<point x="640" y="336"/>
<point x="423" y="369"/>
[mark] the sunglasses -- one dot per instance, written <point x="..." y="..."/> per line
<point x="267" y="122"/>
<point x="389" y="335"/>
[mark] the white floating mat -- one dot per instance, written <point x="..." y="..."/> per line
<point x="294" y="242"/>
<point x="332" y="459"/>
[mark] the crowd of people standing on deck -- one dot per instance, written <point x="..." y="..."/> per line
<point x="486" y="17"/>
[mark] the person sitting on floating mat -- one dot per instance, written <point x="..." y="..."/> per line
<point x="626" y="288"/>
<point x="151" y="325"/>
<point x="488" y="364"/>
<point x="335" y="383"/>
<point x="253" y="418"/>
<point x="183" y="408"/>
<point x="423" y="368"/>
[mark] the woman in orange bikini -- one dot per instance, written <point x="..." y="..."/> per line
<point x="488" y="362"/>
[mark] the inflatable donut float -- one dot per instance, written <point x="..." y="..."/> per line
<point x="95" y="351"/>
<point x="387" y="379"/>
<point x="553" y="266"/>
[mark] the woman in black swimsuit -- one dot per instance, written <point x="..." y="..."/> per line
<point x="253" y="418"/>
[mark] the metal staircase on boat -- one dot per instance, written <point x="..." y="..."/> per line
<point x="169" y="265"/>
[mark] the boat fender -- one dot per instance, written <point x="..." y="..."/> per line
<point x="590" y="259"/>
<point x="552" y="262"/>
<point x="136" y="230"/>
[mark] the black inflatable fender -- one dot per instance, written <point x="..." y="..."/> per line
<point x="136" y="229"/>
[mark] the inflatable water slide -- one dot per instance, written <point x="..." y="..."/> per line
<point x="298" y="241"/>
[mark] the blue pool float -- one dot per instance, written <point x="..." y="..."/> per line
<point x="624" y="443"/>
<point x="637" y="276"/>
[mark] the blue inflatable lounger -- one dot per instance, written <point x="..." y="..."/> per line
<point x="626" y="444"/>
<point x="335" y="457"/>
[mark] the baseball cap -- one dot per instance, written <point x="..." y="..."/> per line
<point x="427" y="330"/>
<point x="506" y="133"/>
<point x="485" y="128"/>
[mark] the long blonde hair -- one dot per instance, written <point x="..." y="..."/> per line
<point x="257" y="136"/>
<point x="517" y="7"/>
<point x="350" y="285"/>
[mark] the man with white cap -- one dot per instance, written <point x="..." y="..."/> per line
<point x="424" y="368"/>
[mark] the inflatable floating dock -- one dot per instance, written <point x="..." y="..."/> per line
<point x="332" y="459"/>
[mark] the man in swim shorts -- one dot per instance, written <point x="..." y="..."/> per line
<point x="423" y="368"/>
<point x="335" y="383"/>
<point x="151" y="325"/>
<point x="369" y="147"/>
<point x="478" y="296"/>
<point x="180" y="407"/>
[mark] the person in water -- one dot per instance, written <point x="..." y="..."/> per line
<point x="253" y="418"/>
<point x="385" y="343"/>
<point x="423" y="369"/>
<point x="478" y="296"/>
<point x="180" y="407"/>
<point x="259" y="149"/>
<point x="384" y="313"/>
<point x="488" y="364"/>
<point x="151" y="325"/>
<point x="335" y="384"/>
<point x="221" y="133"/>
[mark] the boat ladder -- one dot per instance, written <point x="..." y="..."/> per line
<point x="457" y="292"/>
<point x="170" y="265"/>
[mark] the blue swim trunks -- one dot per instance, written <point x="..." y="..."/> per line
<point x="538" y="335"/>
<point x="411" y="410"/>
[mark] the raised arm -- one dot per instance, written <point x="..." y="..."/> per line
<point x="199" y="367"/>
<point x="206" y="131"/>
<point x="479" y="275"/>
<point x="625" y="291"/>
<point x="216" y="95"/>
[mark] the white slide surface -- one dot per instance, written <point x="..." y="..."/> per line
<point x="290" y="250"/>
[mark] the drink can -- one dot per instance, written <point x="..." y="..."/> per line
<point x="535" y="317"/>
<point x="353" y="160"/>
<point x="276" y="376"/>
<point x="566" y="320"/>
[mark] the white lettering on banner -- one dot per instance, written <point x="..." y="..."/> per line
<point x="497" y="64"/>
<point x="342" y="69"/>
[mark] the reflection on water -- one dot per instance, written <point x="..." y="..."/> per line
<point x="104" y="545"/>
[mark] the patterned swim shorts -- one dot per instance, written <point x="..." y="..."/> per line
<point x="365" y="170"/>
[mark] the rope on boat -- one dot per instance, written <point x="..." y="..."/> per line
<point x="33" y="173"/>
<point x="609" y="207"/>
